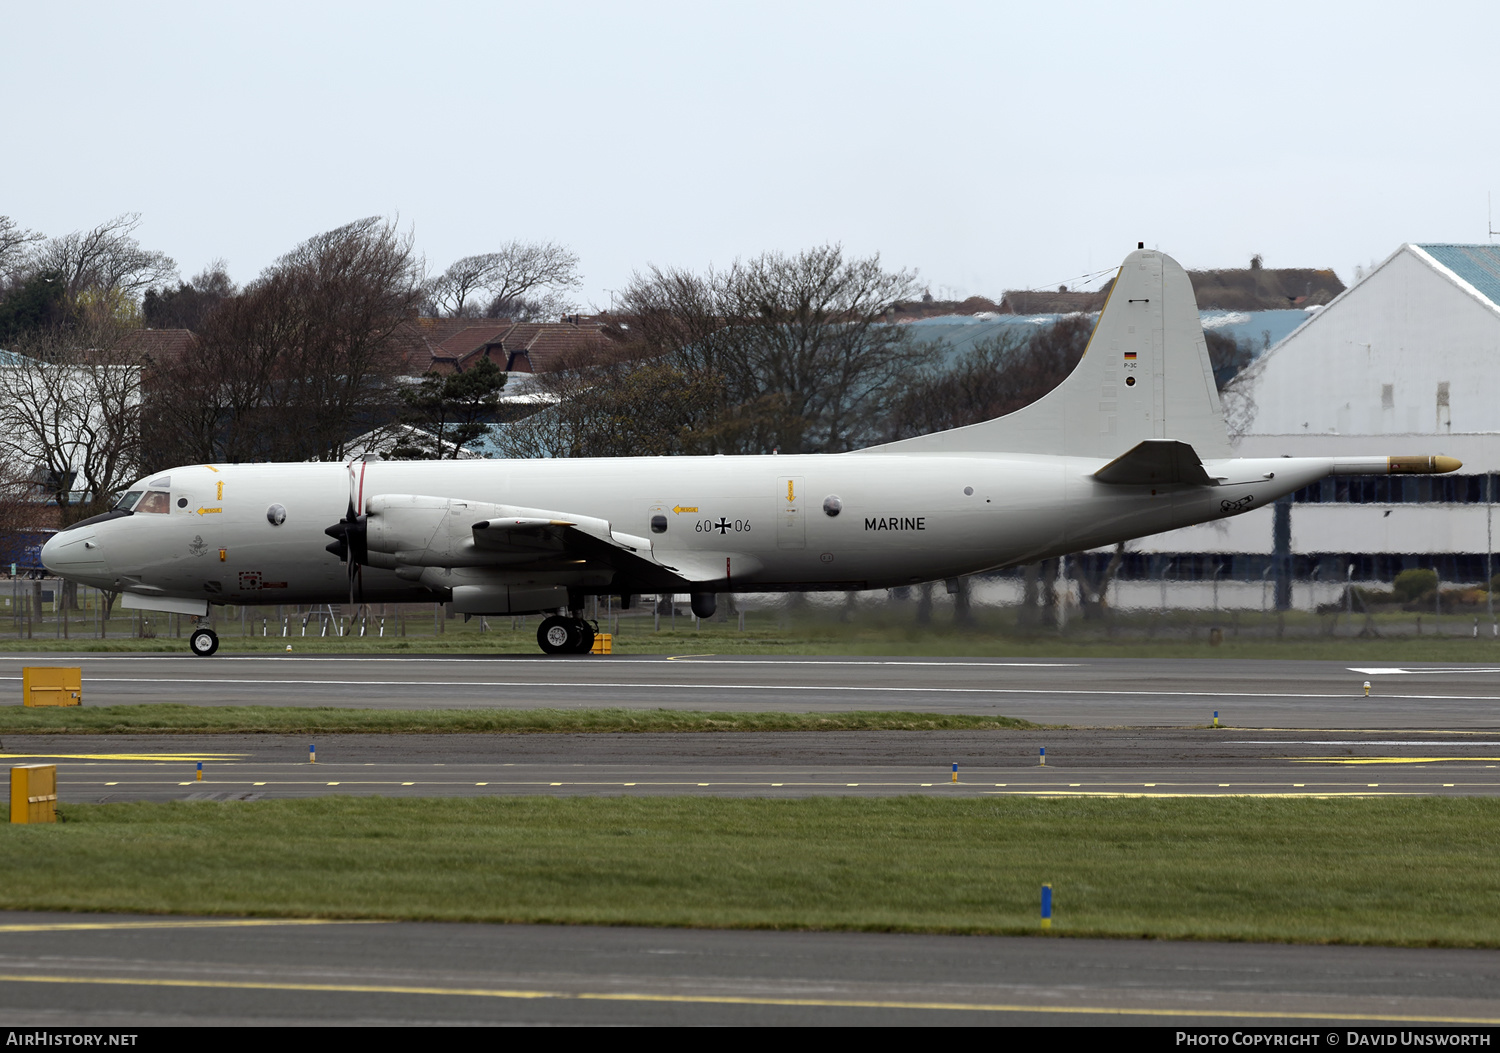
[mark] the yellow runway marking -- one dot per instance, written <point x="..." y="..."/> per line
<point x="1240" y="793"/>
<point x="221" y="923"/>
<point x="1387" y="760"/>
<point x="182" y="758"/>
<point x="828" y="1003"/>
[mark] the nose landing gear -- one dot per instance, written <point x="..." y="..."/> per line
<point x="559" y="635"/>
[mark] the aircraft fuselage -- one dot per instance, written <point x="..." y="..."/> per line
<point x="735" y="524"/>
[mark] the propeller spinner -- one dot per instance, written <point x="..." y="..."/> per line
<point x="351" y="534"/>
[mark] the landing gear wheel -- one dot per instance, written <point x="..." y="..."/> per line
<point x="558" y="635"/>
<point x="585" y="644"/>
<point x="203" y="642"/>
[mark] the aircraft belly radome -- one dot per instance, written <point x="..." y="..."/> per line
<point x="1103" y="458"/>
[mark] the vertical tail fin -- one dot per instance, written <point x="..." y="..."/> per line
<point x="1145" y="375"/>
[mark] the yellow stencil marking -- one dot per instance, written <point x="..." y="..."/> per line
<point x="789" y="495"/>
<point x="219" y="496"/>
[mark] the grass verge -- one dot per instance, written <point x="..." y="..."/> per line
<point x="167" y="718"/>
<point x="1409" y="872"/>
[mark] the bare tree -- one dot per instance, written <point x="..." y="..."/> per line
<point x="794" y="346"/>
<point x="819" y="345"/>
<point x="528" y="279"/>
<point x="15" y="245"/>
<point x="105" y="260"/>
<point x="69" y="416"/>
<point x="300" y="363"/>
<point x="602" y="402"/>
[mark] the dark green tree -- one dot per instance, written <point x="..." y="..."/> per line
<point x="189" y="305"/>
<point x="35" y="304"/>
<point x="445" y="412"/>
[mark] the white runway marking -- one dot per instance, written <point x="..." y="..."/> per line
<point x="1354" y="742"/>
<point x="685" y="659"/>
<point x="706" y="660"/>
<point x="908" y="690"/>
<point x="1386" y="671"/>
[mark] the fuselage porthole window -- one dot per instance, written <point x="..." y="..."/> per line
<point x="182" y="502"/>
<point x="832" y="506"/>
<point x="658" y="524"/>
<point x="276" y="515"/>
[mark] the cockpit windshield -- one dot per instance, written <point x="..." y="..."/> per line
<point x="127" y="501"/>
<point x="157" y="501"/>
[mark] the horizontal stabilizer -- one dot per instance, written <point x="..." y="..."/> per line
<point x="1155" y="461"/>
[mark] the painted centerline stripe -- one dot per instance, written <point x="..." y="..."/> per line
<point x="908" y="690"/>
<point x="836" y="1003"/>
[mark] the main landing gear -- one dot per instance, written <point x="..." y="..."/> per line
<point x="203" y="642"/>
<point x="559" y="635"/>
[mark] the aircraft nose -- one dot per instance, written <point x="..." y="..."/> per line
<point x="73" y="553"/>
<point x="49" y="554"/>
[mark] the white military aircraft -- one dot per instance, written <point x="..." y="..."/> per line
<point x="1133" y="442"/>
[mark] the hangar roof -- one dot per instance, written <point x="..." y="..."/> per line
<point x="1479" y="265"/>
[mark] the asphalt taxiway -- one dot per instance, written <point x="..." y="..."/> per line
<point x="1079" y="762"/>
<point x="124" y="972"/>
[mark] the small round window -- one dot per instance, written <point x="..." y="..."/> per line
<point x="276" y="515"/>
<point x="658" y="524"/>
<point x="182" y="502"/>
<point x="832" y="506"/>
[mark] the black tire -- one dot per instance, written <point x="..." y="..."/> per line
<point x="203" y="642"/>
<point x="585" y="644"/>
<point x="558" y="635"/>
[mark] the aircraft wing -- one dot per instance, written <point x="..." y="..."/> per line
<point x="412" y="530"/>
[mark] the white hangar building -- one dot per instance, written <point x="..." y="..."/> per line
<point x="1406" y="361"/>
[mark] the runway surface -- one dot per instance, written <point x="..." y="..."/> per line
<point x="1096" y="692"/>
<point x="1090" y="762"/>
<point x="1139" y="728"/>
<point x="120" y="971"/>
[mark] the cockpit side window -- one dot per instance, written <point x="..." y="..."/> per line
<point x="127" y="501"/>
<point x="158" y="501"/>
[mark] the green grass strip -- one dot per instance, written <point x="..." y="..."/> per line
<point x="1414" y="871"/>
<point x="167" y="718"/>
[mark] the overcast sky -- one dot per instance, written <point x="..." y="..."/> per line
<point x="986" y="146"/>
